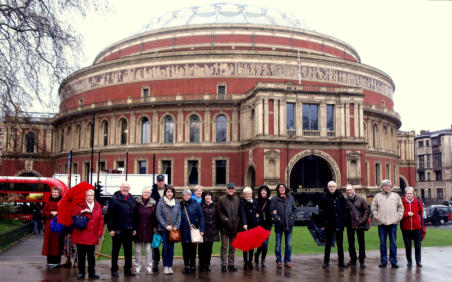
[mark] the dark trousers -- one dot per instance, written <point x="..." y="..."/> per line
<point x="339" y="242"/>
<point x="82" y="252"/>
<point x="124" y="238"/>
<point x="53" y="259"/>
<point x="248" y="256"/>
<point x="262" y="250"/>
<point x="205" y="253"/>
<point x="155" y="256"/>
<point x="189" y="254"/>
<point x="408" y="237"/>
<point x="351" y="244"/>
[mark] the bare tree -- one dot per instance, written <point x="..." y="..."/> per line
<point x="38" y="48"/>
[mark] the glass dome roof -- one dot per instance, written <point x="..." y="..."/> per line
<point x="225" y="13"/>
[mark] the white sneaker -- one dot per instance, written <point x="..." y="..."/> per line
<point x="170" y="270"/>
<point x="165" y="270"/>
<point x="137" y="269"/>
<point x="149" y="269"/>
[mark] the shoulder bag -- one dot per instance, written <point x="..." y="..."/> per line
<point x="80" y="221"/>
<point x="195" y="234"/>
<point x="174" y="235"/>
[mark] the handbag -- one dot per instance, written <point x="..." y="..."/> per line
<point x="195" y="234"/>
<point x="367" y="226"/>
<point x="55" y="226"/>
<point x="156" y="240"/>
<point x="80" y="222"/>
<point x="173" y="235"/>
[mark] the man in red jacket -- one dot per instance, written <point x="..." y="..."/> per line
<point x="412" y="225"/>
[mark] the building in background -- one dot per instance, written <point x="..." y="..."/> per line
<point x="434" y="165"/>
<point x="407" y="163"/>
<point x="229" y="93"/>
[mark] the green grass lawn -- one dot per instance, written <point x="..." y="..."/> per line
<point x="302" y="242"/>
<point x="6" y="226"/>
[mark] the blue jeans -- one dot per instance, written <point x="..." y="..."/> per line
<point x="37" y="227"/>
<point x="167" y="250"/>
<point x="287" y="249"/>
<point x="383" y="232"/>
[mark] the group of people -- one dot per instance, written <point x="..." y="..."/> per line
<point x="137" y="219"/>
<point x="387" y="208"/>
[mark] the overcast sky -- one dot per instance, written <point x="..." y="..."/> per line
<point x="411" y="40"/>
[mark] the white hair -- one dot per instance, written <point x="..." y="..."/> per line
<point x="146" y="188"/>
<point x="197" y="187"/>
<point x="332" y="182"/>
<point x="186" y="191"/>
<point x="125" y="183"/>
<point x="386" y="182"/>
<point x="409" y="188"/>
<point x="247" y="190"/>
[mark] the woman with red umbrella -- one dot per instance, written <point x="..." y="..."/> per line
<point x="53" y="242"/>
<point x="87" y="239"/>
<point x="248" y="218"/>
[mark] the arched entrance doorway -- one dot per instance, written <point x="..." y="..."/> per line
<point x="310" y="172"/>
<point x="403" y="185"/>
<point x="250" y="177"/>
<point x="29" y="173"/>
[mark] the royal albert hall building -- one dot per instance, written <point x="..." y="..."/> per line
<point x="231" y="93"/>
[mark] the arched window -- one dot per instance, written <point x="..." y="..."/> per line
<point x="105" y="133"/>
<point x="145" y="130"/>
<point x="30" y="139"/>
<point x="194" y="129"/>
<point x="90" y="135"/>
<point x="221" y="128"/>
<point x="69" y="138"/>
<point x="374" y="136"/>
<point x="79" y="135"/>
<point x="123" y="131"/>
<point x="169" y="130"/>
<point x="62" y="140"/>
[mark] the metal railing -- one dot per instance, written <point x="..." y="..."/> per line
<point x="15" y="234"/>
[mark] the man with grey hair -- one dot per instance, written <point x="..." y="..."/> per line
<point x="359" y="215"/>
<point x="387" y="210"/>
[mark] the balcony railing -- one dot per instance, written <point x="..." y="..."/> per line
<point x="331" y="133"/>
<point x="311" y="132"/>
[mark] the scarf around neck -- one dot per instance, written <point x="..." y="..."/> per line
<point x="170" y="203"/>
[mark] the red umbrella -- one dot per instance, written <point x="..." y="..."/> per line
<point x="72" y="197"/>
<point x="251" y="239"/>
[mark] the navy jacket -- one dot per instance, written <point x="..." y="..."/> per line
<point x="247" y="214"/>
<point x="121" y="213"/>
<point x="283" y="212"/>
<point x="194" y="211"/>
<point x="333" y="211"/>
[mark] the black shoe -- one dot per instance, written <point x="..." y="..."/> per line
<point x="394" y="265"/>
<point x="203" y="269"/>
<point x="352" y="262"/>
<point x="155" y="267"/>
<point x="186" y="270"/>
<point x="409" y="264"/>
<point x="325" y="265"/>
<point x="80" y="276"/>
<point x="383" y="265"/>
<point x="114" y="274"/>
<point x="94" y="276"/>
<point x="256" y="259"/>
<point x="208" y="268"/>
<point x="232" y="268"/>
<point x="245" y="266"/>
<point x="192" y="269"/>
<point x="418" y="264"/>
<point x="250" y="265"/>
<point x="263" y="264"/>
<point x="223" y="268"/>
<point x="362" y="264"/>
<point x="129" y="273"/>
<point x="343" y="265"/>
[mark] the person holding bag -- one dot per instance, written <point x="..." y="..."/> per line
<point x="411" y="225"/>
<point x="53" y="241"/>
<point x="168" y="217"/>
<point x="87" y="238"/>
<point x="191" y="219"/>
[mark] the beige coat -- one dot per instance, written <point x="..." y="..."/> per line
<point x="387" y="208"/>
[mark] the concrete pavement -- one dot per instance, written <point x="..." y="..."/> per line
<point x="23" y="262"/>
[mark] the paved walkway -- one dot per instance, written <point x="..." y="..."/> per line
<point x="23" y="262"/>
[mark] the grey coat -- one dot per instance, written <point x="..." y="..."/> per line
<point x="162" y="215"/>
<point x="283" y="212"/>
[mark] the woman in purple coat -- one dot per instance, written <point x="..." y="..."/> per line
<point x="146" y="221"/>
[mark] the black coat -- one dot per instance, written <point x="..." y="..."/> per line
<point x="211" y="222"/>
<point x="247" y="214"/>
<point x="146" y="220"/>
<point x="265" y="216"/>
<point x="283" y="212"/>
<point x="333" y="211"/>
<point x="121" y="213"/>
<point x="194" y="212"/>
<point x="155" y="193"/>
<point x="228" y="210"/>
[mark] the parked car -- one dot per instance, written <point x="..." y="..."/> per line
<point x="447" y="203"/>
<point x="444" y="214"/>
<point x="304" y="214"/>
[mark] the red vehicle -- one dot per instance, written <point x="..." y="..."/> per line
<point x="18" y="193"/>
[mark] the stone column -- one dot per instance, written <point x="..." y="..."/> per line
<point x="258" y="117"/>
<point x="322" y="119"/>
<point x="265" y="116"/>
<point x="340" y="121"/>
<point x="155" y="126"/>
<point x="356" y="119"/>
<point x="361" y="120"/>
<point x="207" y="125"/>
<point x="113" y="131"/>
<point x="298" y="118"/>
<point x="132" y="128"/>
<point x="347" y="119"/>
<point x="180" y="125"/>
<point x="234" y="125"/>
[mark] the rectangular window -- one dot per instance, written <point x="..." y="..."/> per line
<point x="145" y="92"/>
<point x="166" y="169"/>
<point x="421" y="161"/>
<point x="120" y="166"/>
<point x="429" y="163"/>
<point x="220" y="172"/>
<point x="142" y="167"/>
<point x="65" y="168"/>
<point x="221" y="91"/>
<point x="437" y="160"/>
<point x="75" y="168"/>
<point x="388" y="172"/>
<point x="330" y="117"/>
<point x="310" y="117"/>
<point x="290" y="116"/>
<point x="421" y="175"/>
<point x="438" y="175"/>
<point x="439" y="193"/>
<point x="420" y="144"/>
<point x="436" y="141"/>
<point x="101" y="166"/>
<point x="87" y="172"/>
<point x="193" y="173"/>
<point x="429" y="176"/>
<point x="377" y="175"/>
<point x="429" y="195"/>
<point x="427" y="143"/>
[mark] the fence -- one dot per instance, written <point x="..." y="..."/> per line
<point x="15" y="234"/>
